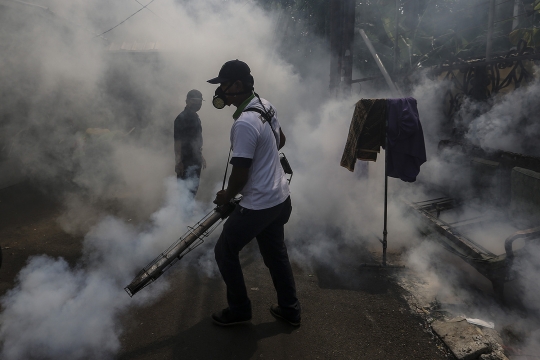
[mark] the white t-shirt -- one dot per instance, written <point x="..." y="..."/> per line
<point x="252" y="138"/>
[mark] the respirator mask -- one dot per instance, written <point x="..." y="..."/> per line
<point x="219" y="100"/>
<point x="220" y="97"/>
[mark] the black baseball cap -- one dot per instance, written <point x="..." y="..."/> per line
<point x="194" y="94"/>
<point x="233" y="70"/>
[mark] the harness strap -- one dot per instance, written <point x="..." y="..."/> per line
<point x="266" y="117"/>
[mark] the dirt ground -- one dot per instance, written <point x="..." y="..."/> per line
<point x="348" y="312"/>
<point x="28" y="226"/>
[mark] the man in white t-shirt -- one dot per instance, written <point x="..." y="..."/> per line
<point x="257" y="175"/>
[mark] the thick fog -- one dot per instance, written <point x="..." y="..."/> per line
<point x="511" y="124"/>
<point x="91" y="122"/>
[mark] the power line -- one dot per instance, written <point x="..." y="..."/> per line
<point x="48" y="10"/>
<point x="160" y="17"/>
<point x="244" y="4"/>
<point x="129" y="17"/>
<point x="138" y="2"/>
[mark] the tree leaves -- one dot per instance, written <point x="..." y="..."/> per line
<point x="531" y="36"/>
<point x="430" y="31"/>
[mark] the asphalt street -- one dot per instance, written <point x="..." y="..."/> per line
<point x="361" y="318"/>
<point x="348" y="313"/>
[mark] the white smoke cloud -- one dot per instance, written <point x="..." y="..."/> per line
<point x="64" y="94"/>
<point x="59" y="311"/>
<point x="508" y="122"/>
<point x="123" y="91"/>
<point x="71" y="82"/>
<point x="511" y="124"/>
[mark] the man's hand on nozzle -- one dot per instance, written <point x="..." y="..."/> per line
<point x="221" y="198"/>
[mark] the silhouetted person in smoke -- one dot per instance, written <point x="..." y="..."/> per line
<point x="188" y="141"/>
<point x="265" y="206"/>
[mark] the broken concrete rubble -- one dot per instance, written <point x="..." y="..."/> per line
<point x="463" y="339"/>
<point x="469" y="342"/>
<point x="497" y="351"/>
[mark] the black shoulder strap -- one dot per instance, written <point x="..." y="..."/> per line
<point x="266" y="116"/>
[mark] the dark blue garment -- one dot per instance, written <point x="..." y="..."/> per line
<point x="267" y="226"/>
<point x="406" y="148"/>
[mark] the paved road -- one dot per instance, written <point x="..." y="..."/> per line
<point x="357" y="319"/>
<point x="347" y="313"/>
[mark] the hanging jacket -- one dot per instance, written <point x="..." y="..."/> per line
<point x="366" y="132"/>
<point x="406" y="147"/>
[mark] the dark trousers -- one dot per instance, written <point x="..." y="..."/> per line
<point x="267" y="226"/>
<point x="192" y="171"/>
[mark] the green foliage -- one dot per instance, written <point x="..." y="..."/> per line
<point x="530" y="32"/>
<point x="531" y="36"/>
<point x="430" y="31"/>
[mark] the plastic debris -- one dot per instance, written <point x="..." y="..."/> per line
<point x="479" y="322"/>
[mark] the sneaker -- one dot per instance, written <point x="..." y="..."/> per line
<point x="227" y="318"/>
<point x="277" y="312"/>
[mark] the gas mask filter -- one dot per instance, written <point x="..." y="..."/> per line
<point x="220" y="100"/>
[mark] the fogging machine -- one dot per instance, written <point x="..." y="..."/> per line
<point x="190" y="240"/>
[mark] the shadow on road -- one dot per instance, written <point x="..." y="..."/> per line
<point x="208" y="341"/>
<point x="371" y="281"/>
<point x="346" y="272"/>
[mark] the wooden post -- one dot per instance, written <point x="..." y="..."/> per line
<point x="348" y="41"/>
<point x="336" y="44"/>
<point x="342" y="18"/>
<point x="491" y="20"/>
